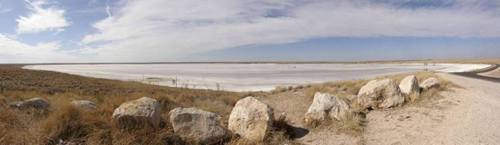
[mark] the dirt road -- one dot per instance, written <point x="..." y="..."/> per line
<point x="464" y="117"/>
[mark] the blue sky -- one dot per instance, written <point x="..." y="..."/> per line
<point x="229" y="30"/>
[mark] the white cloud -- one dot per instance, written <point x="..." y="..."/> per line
<point x="160" y="30"/>
<point x="13" y="51"/>
<point x="41" y="18"/>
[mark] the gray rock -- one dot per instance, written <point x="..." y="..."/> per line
<point x="197" y="125"/>
<point x="379" y="94"/>
<point x="251" y="119"/>
<point x="429" y="83"/>
<point x="138" y="113"/>
<point x="84" y="104"/>
<point x="33" y="103"/>
<point x="326" y="106"/>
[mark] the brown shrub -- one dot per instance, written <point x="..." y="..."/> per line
<point x="66" y="124"/>
<point x="17" y="127"/>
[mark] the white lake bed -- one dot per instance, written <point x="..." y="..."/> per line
<point x="245" y="77"/>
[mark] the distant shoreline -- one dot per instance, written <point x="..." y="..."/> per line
<point x="465" y="61"/>
<point x="476" y="74"/>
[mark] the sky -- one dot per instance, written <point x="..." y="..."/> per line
<point x="40" y="31"/>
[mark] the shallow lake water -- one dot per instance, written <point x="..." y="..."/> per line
<point x="244" y="77"/>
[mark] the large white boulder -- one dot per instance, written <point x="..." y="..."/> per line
<point x="429" y="83"/>
<point x="33" y="103"/>
<point x="409" y="85"/>
<point x="138" y="113"/>
<point x="379" y="94"/>
<point x="251" y="119"/>
<point x="84" y="104"/>
<point x="197" y="125"/>
<point x="326" y="106"/>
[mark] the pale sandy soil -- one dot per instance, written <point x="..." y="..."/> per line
<point x="465" y="116"/>
<point x="494" y="73"/>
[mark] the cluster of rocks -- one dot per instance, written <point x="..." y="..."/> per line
<point x="384" y="93"/>
<point x="250" y="118"/>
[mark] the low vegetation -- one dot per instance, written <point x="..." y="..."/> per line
<point x="64" y="124"/>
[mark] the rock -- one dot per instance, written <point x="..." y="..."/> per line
<point x="326" y="106"/>
<point x="33" y="103"/>
<point x="340" y="110"/>
<point x="84" y="104"/>
<point x="138" y="113"/>
<point x="379" y="94"/>
<point x="409" y="85"/>
<point x="15" y="104"/>
<point x="197" y="125"/>
<point x="429" y="83"/>
<point x="409" y="88"/>
<point x="251" y="119"/>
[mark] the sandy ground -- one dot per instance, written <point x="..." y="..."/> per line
<point x="464" y="116"/>
<point x="495" y="73"/>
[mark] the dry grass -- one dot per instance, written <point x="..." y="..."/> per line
<point x="68" y="124"/>
<point x="64" y="123"/>
<point x="353" y="124"/>
<point x="19" y="84"/>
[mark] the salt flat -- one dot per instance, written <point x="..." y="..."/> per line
<point x="244" y="77"/>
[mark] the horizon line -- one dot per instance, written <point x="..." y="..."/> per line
<point x="263" y="62"/>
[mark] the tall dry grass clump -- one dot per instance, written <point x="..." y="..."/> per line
<point x="67" y="123"/>
<point x="18" y="127"/>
